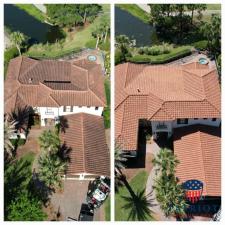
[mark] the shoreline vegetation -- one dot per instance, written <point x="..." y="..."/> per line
<point x="32" y="11"/>
<point x="135" y="10"/>
<point x="139" y="13"/>
<point x="73" y="42"/>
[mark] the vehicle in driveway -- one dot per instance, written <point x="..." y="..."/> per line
<point x="86" y="213"/>
<point x="98" y="192"/>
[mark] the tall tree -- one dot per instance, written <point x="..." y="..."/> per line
<point x="18" y="39"/>
<point x="212" y="32"/>
<point x="169" y="192"/>
<point x="196" y="7"/>
<point x="70" y="15"/>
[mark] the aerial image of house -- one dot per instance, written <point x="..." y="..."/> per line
<point x="167" y="119"/>
<point x="57" y="114"/>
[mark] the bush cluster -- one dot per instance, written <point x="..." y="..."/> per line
<point x="165" y="48"/>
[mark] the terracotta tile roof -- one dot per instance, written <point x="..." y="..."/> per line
<point x="85" y="135"/>
<point x="162" y="93"/>
<point x="198" y="149"/>
<point x="54" y="83"/>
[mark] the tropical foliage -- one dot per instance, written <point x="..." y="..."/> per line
<point x="101" y="32"/>
<point x="120" y="158"/>
<point x="18" y="39"/>
<point x="122" y="43"/>
<point x="138" y="206"/>
<point x="26" y="207"/>
<point x="212" y="32"/>
<point x="49" y="141"/>
<point x="20" y="202"/>
<point x="71" y="15"/>
<point x="21" y="115"/>
<point x="51" y="169"/>
<point x="9" y="129"/>
<point x="169" y="192"/>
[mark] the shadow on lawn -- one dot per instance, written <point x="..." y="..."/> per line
<point x="138" y="204"/>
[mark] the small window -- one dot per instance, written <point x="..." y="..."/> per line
<point x="71" y="108"/>
<point x="80" y="106"/>
<point x="49" y="110"/>
<point x="64" y="108"/>
<point x="182" y="121"/>
<point x="195" y="118"/>
<point x="88" y="106"/>
<point x="68" y="108"/>
<point x="213" y="119"/>
<point x="96" y="108"/>
<point x="204" y="118"/>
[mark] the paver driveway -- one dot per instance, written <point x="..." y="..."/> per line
<point x="69" y="201"/>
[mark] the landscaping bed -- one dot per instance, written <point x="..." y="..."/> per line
<point x="175" y="54"/>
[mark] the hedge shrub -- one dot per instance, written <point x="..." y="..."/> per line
<point x="176" y="53"/>
<point x="201" y="45"/>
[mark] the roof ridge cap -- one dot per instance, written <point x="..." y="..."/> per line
<point x="97" y="97"/>
<point x="83" y="142"/>
<point x="203" y="157"/>
<point x="29" y="68"/>
<point x="163" y="111"/>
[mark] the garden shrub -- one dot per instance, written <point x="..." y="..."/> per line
<point x="8" y="55"/>
<point x="201" y="45"/>
<point x="176" y="53"/>
<point x="165" y="48"/>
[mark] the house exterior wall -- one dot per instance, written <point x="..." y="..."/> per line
<point x="168" y="126"/>
<point x="54" y="112"/>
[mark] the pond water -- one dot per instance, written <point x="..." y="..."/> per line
<point x="134" y="28"/>
<point x="18" y="20"/>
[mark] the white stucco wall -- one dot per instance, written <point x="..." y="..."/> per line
<point x="170" y="125"/>
<point x="198" y="121"/>
<point x="55" y="112"/>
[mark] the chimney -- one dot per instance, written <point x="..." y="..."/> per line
<point x="138" y="90"/>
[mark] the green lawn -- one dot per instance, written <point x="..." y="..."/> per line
<point x="176" y="53"/>
<point x="213" y="6"/>
<point x="73" y="42"/>
<point x="136" y="11"/>
<point x="138" y="183"/>
<point x="32" y="10"/>
<point x="107" y="209"/>
<point x="106" y="112"/>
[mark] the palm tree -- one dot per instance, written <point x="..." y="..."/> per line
<point x="165" y="161"/>
<point x="18" y="39"/>
<point x="138" y="207"/>
<point x="9" y="130"/>
<point x="120" y="158"/>
<point x="49" y="140"/>
<point x="51" y="167"/>
<point x="169" y="192"/>
<point x="171" y="196"/>
<point x="21" y="115"/>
